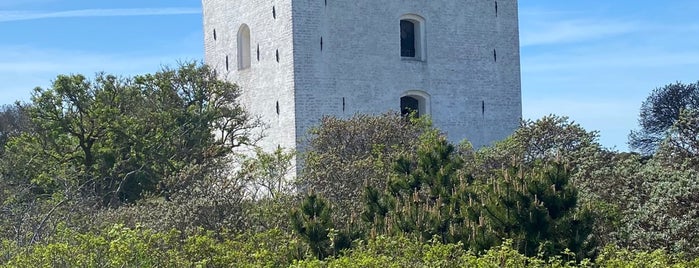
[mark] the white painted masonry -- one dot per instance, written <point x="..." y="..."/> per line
<point x="342" y="57"/>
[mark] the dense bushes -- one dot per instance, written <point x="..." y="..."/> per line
<point x="118" y="246"/>
<point x="120" y="172"/>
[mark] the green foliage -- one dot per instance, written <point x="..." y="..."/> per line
<point x="136" y="172"/>
<point x="659" y="112"/>
<point x="313" y="223"/>
<point x="123" y="137"/>
<point x="118" y="246"/>
<point x="615" y="257"/>
<point x="345" y="156"/>
<point x="680" y="148"/>
<point x="13" y="122"/>
<point x="267" y="174"/>
<point x="548" y="139"/>
<point x="431" y="196"/>
<point x="111" y="141"/>
<point x="538" y="210"/>
<point x="421" y="197"/>
<point x="666" y="215"/>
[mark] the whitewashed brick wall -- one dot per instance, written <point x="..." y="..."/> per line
<point x="475" y="94"/>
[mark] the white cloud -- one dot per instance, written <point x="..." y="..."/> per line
<point x="575" y="30"/>
<point x="6" y="16"/>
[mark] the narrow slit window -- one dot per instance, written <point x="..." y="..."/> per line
<point x="244" y="47"/>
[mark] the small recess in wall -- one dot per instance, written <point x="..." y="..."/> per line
<point x="495" y="55"/>
<point x="258" y="52"/>
<point x="277" y="54"/>
<point x="274" y="12"/>
<point x="321" y="43"/>
<point x="214" y="34"/>
<point x="496" y="8"/>
<point x="343" y="104"/>
<point x="326" y="2"/>
<point x="483" y="107"/>
<point x="226" y="62"/>
<point x="277" y="107"/>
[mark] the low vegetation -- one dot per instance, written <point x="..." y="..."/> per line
<point x="136" y="172"/>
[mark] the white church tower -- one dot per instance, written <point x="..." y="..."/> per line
<point x="298" y="60"/>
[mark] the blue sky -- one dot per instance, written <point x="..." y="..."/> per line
<point x="594" y="60"/>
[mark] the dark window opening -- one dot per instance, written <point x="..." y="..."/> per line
<point x="321" y="43"/>
<point x="277" y="107"/>
<point x="407" y="38"/>
<point x="226" y="62"/>
<point x="274" y="12"/>
<point x="277" y="55"/>
<point x="495" y="55"/>
<point x="326" y="2"/>
<point x="496" y="8"/>
<point x="483" y="107"/>
<point x="258" y="52"/>
<point x="409" y="105"/>
<point x="214" y="34"/>
<point x="343" y="104"/>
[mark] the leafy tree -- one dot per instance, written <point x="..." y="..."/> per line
<point x="269" y="189"/>
<point x="681" y="146"/>
<point x="13" y="121"/>
<point x="109" y="141"/>
<point x="665" y="214"/>
<point x="549" y="139"/>
<point x="125" y="136"/>
<point x="267" y="174"/>
<point x="344" y="156"/>
<point x="659" y="112"/>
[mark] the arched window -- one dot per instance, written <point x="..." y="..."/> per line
<point x="243" y="47"/>
<point x="412" y="28"/>
<point x="415" y="101"/>
<point x="408" y="105"/>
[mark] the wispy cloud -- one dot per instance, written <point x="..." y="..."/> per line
<point x="23" y="68"/>
<point x="568" y="31"/>
<point x="6" y="16"/>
